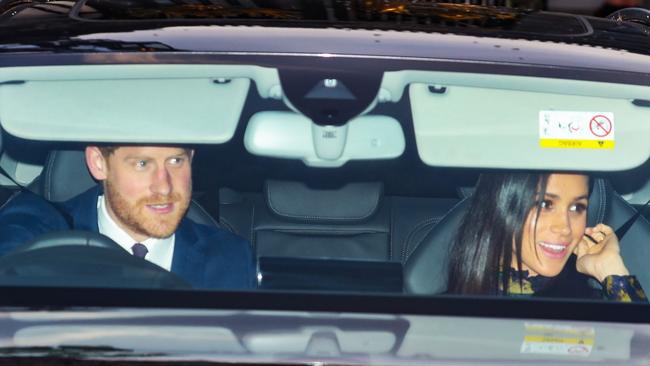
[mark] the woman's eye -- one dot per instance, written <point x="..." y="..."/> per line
<point x="546" y="204"/>
<point x="579" y="208"/>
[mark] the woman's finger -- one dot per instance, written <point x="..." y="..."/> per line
<point x="582" y="248"/>
<point x="599" y="233"/>
<point x="589" y="238"/>
<point x="603" y="229"/>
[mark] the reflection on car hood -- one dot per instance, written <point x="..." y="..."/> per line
<point x="308" y="337"/>
<point x="51" y="26"/>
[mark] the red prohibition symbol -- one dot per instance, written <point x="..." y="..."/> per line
<point x="600" y="126"/>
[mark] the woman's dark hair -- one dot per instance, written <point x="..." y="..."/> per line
<point x="495" y="219"/>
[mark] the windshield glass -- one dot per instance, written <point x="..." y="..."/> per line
<point x="352" y="161"/>
<point x="308" y="183"/>
<point x="276" y="178"/>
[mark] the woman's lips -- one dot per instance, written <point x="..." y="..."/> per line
<point x="554" y="250"/>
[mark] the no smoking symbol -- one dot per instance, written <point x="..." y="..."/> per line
<point x="600" y="126"/>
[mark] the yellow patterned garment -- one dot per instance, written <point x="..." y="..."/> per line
<point x="615" y="288"/>
<point x="527" y="286"/>
<point x="524" y="287"/>
<point x="624" y="289"/>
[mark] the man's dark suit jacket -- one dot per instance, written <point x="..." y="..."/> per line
<point x="204" y="256"/>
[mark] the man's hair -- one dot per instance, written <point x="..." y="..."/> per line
<point x="107" y="150"/>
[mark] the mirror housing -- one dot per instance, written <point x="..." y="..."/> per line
<point x="289" y="135"/>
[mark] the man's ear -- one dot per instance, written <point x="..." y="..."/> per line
<point x="97" y="164"/>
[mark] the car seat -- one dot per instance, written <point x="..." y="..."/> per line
<point x="290" y="219"/>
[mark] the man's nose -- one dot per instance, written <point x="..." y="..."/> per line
<point x="561" y="223"/>
<point x="161" y="182"/>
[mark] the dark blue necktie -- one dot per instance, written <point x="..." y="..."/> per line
<point x="139" y="250"/>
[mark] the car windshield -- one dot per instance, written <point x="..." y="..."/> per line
<point x="395" y="150"/>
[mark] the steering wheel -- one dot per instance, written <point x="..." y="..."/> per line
<point x="81" y="259"/>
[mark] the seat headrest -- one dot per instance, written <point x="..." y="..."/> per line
<point x="599" y="197"/>
<point x="353" y="202"/>
<point x="65" y="175"/>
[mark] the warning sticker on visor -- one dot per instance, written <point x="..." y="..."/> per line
<point x="560" y="340"/>
<point x="576" y="130"/>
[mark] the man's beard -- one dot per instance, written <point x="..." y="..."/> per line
<point x="136" y="218"/>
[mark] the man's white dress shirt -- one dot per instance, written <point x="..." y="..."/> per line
<point x="160" y="251"/>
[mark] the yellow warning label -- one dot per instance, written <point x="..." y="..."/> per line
<point x="561" y="329"/>
<point x="576" y="144"/>
<point x="564" y="340"/>
<point x="558" y="339"/>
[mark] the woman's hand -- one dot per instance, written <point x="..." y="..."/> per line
<point x="601" y="258"/>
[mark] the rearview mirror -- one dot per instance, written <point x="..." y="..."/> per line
<point x="291" y="135"/>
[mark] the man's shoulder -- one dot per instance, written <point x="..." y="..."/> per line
<point x="228" y="258"/>
<point x="23" y="200"/>
<point x="30" y="204"/>
<point x="82" y="209"/>
<point x="83" y="199"/>
<point x="26" y="216"/>
<point x="212" y="233"/>
<point x="215" y="243"/>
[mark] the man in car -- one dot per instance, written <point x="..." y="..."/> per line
<point x="141" y="204"/>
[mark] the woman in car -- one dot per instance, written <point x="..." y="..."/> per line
<point x="526" y="234"/>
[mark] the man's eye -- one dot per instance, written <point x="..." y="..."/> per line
<point x="176" y="161"/>
<point x="140" y="164"/>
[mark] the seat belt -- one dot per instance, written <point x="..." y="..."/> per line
<point x="622" y="230"/>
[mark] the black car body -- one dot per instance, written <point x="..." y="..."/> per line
<point x="355" y="228"/>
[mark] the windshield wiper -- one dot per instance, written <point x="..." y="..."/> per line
<point x="73" y="351"/>
<point x="89" y="46"/>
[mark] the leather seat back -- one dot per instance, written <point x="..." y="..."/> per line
<point x="290" y="219"/>
<point x="354" y="221"/>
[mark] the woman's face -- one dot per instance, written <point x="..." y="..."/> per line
<point x="561" y="225"/>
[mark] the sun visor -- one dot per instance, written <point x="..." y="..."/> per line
<point x="129" y="103"/>
<point x="491" y="121"/>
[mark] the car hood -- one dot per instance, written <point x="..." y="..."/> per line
<point x="292" y="337"/>
<point x="66" y="26"/>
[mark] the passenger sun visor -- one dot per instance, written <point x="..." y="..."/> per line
<point x="129" y="103"/>
<point x="517" y="122"/>
<point x="353" y="202"/>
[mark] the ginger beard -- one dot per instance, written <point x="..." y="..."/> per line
<point x="139" y="219"/>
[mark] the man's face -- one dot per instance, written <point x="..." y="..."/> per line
<point x="147" y="189"/>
